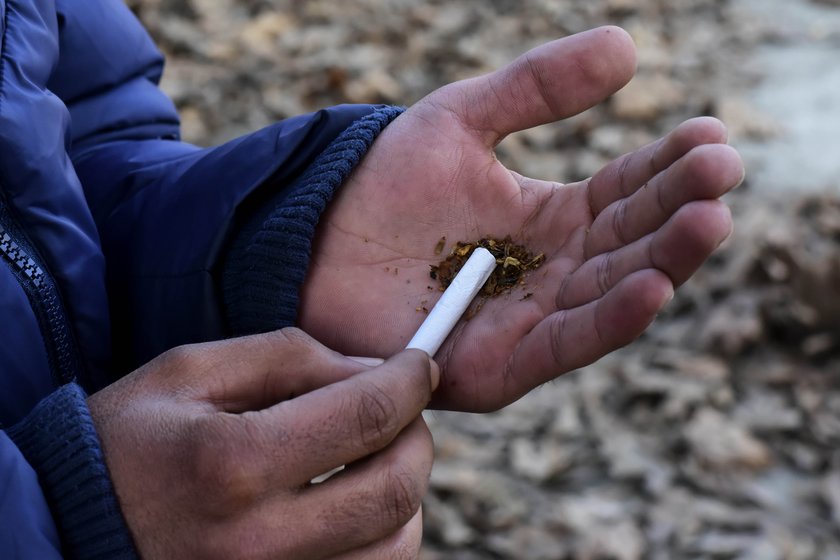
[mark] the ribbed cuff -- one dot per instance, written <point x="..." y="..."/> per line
<point x="59" y="440"/>
<point x="267" y="262"/>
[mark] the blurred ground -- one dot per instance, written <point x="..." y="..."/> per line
<point x="716" y="435"/>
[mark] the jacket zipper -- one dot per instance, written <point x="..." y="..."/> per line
<point x="43" y="296"/>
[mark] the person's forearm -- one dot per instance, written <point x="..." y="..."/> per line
<point x="166" y="213"/>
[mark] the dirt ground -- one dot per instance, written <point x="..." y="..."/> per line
<point x="715" y="435"/>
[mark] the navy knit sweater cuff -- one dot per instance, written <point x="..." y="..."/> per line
<point x="59" y="440"/>
<point x="267" y="262"/>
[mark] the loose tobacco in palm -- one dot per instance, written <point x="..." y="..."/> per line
<point x="512" y="262"/>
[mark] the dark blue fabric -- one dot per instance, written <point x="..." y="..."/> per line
<point x="26" y="528"/>
<point x="59" y="437"/>
<point x="24" y="375"/>
<point x="92" y="172"/>
<point x="164" y="230"/>
<point x="40" y="190"/>
<point x="270" y="255"/>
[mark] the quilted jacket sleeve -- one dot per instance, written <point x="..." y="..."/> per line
<point x="170" y="228"/>
<point x="26" y="527"/>
<point x="167" y="211"/>
<point x="162" y="237"/>
<point x="173" y="221"/>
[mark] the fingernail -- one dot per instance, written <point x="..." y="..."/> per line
<point x="372" y="362"/>
<point x="742" y="179"/>
<point x="435" y="373"/>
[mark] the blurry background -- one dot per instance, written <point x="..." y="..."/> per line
<point x="714" y="436"/>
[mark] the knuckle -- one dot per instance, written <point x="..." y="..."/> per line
<point x="181" y="358"/>
<point x="604" y="273"/>
<point x="294" y="335"/>
<point x="557" y="330"/>
<point x="653" y="157"/>
<point x="402" y="496"/>
<point x="297" y="345"/>
<point x="377" y="416"/>
<point x="618" y="221"/>
<point x="542" y="81"/>
<point x="560" y="298"/>
<point x="294" y="341"/>
<point x="624" y="180"/>
<point x="221" y="469"/>
<point x="179" y="366"/>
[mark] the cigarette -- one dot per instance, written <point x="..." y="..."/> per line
<point x="454" y="301"/>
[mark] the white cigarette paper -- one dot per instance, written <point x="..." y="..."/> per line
<point x="454" y="302"/>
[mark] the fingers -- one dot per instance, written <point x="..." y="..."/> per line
<point x="370" y="502"/>
<point x="627" y="174"/>
<point x="242" y="479"/>
<point x="354" y="418"/>
<point x="255" y="372"/>
<point x="551" y="82"/>
<point x="572" y="338"/>
<point x="706" y="172"/>
<point x="405" y="544"/>
<point x="678" y="249"/>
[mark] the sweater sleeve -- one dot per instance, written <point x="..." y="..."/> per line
<point x="175" y="220"/>
<point x="58" y="442"/>
<point x="269" y="256"/>
<point x="166" y="213"/>
<point x="164" y="209"/>
<point x="72" y="495"/>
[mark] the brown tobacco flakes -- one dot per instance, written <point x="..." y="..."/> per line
<point x="512" y="262"/>
<point x="440" y="245"/>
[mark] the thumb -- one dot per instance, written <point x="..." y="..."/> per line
<point x="551" y="82"/>
<point x="255" y="372"/>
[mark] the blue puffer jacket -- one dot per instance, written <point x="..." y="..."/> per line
<point x="118" y="241"/>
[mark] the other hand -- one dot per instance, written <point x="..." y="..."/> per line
<point x="212" y="448"/>
<point x="616" y="244"/>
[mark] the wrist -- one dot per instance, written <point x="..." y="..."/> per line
<point x="268" y="261"/>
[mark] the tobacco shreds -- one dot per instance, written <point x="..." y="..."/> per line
<point x="512" y="262"/>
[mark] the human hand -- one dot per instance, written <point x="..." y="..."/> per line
<point x="616" y="245"/>
<point x="212" y="448"/>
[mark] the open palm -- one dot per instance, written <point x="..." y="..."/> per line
<point x="616" y="245"/>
